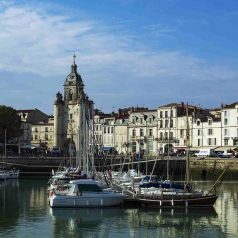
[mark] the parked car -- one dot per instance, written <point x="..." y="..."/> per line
<point x="225" y="154"/>
<point x="205" y="152"/>
<point x="55" y="151"/>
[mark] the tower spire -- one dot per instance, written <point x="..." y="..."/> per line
<point x="74" y="66"/>
<point x="74" y="56"/>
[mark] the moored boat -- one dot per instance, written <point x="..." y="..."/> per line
<point x="8" y="174"/>
<point x="86" y="193"/>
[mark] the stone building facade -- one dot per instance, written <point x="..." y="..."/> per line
<point x="73" y="113"/>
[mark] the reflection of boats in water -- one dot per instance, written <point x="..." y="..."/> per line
<point x="85" y="221"/>
<point x="86" y="214"/>
<point x="104" y="222"/>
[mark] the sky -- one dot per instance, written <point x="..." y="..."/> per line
<point x="129" y="52"/>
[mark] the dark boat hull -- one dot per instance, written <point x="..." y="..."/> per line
<point x="203" y="201"/>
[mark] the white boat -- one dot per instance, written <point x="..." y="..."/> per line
<point x="8" y="174"/>
<point x="86" y="193"/>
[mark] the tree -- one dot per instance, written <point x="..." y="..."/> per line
<point x="9" y="121"/>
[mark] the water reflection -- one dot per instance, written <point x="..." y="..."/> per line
<point x="24" y="212"/>
<point x="130" y="222"/>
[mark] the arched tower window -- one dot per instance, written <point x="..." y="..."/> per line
<point x="70" y="95"/>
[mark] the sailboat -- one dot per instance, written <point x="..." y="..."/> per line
<point x="4" y="172"/>
<point x="168" y="195"/>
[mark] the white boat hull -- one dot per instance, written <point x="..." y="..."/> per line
<point x="101" y="199"/>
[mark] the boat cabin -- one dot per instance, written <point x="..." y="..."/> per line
<point x="83" y="185"/>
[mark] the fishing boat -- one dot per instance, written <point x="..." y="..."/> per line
<point x="86" y="193"/>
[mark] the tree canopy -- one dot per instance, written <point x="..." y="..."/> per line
<point x="9" y="121"/>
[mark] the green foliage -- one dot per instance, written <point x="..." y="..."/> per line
<point x="9" y="121"/>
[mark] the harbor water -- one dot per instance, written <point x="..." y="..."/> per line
<point x="25" y="212"/>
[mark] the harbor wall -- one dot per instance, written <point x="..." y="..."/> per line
<point x="208" y="168"/>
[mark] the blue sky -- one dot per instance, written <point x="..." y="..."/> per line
<point x="129" y="52"/>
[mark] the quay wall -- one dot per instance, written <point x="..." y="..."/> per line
<point x="208" y="168"/>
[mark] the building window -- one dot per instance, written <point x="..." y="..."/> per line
<point x="166" y="135"/>
<point x="199" y="132"/>
<point x="161" y="124"/>
<point x="171" y="113"/>
<point x="226" y="132"/>
<point x="209" y="141"/>
<point x="171" y="122"/>
<point x="141" y="121"/>
<point x="150" y="132"/>
<point x="150" y="120"/>
<point x="112" y="129"/>
<point x="108" y="130"/>
<point x="225" y="141"/>
<point x="181" y="133"/>
<point x="209" y="131"/>
<point x="199" y="142"/>
<point x="225" y="113"/>
<point x="225" y="121"/>
<point x="171" y="135"/>
<point x="133" y="132"/>
<point x="36" y="130"/>
<point x="36" y="137"/>
<point x="166" y="123"/>
<point x="209" y="122"/>
<point x="70" y="116"/>
<point x="198" y="123"/>
<point x="150" y="146"/>
<point x="141" y="132"/>
<point x="215" y="141"/>
<point x="161" y="114"/>
<point x="46" y="137"/>
<point x="46" y="129"/>
<point x="166" y="113"/>
<point x="235" y="142"/>
<point x="133" y="147"/>
<point x="105" y="130"/>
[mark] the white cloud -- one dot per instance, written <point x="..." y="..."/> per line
<point x="37" y="42"/>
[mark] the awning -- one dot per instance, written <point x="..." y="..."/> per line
<point x="225" y="148"/>
<point x="203" y="148"/>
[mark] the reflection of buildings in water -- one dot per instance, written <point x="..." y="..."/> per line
<point x="38" y="198"/>
<point x="87" y="222"/>
<point x="226" y="207"/>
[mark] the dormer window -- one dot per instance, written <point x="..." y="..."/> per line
<point x="209" y="122"/>
<point x="198" y="123"/>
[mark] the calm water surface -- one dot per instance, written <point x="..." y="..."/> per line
<point x="25" y="213"/>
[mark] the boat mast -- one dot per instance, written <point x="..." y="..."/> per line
<point x="169" y="147"/>
<point x="187" y="178"/>
<point x="5" y="136"/>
